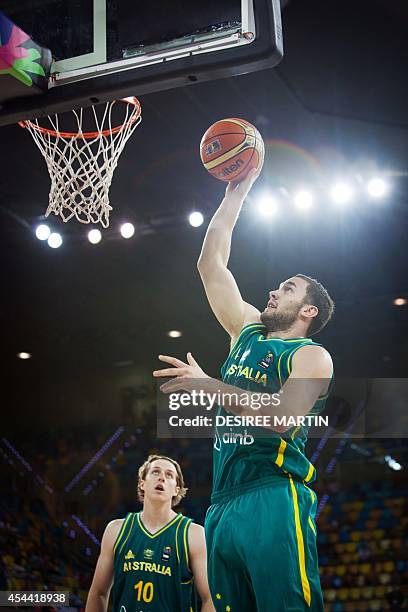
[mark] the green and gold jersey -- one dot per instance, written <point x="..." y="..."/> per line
<point x="245" y="458"/>
<point x="151" y="571"/>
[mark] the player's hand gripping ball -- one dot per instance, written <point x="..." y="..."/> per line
<point x="230" y="148"/>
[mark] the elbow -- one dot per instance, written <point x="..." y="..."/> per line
<point x="202" y="261"/>
<point x="203" y="265"/>
<point x="208" y="262"/>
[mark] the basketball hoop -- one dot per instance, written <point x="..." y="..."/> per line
<point x="81" y="164"/>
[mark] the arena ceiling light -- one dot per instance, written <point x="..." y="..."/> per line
<point x="377" y="187"/>
<point x="303" y="199"/>
<point x="42" y="232"/>
<point x="394" y="465"/>
<point x="23" y="355"/>
<point x="94" y="236"/>
<point x="341" y="193"/>
<point x="127" y="230"/>
<point x="196" y="219"/>
<point x="54" y="240"/>
<point x="174" y="333"/>
<point x="400" y="301"/>
<point x="267" y="206"/>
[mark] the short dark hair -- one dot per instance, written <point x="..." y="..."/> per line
<point x="180" y="479"/>
<point x="318" y="296"/>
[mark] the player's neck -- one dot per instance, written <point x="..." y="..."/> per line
<point x="155" y="515"/>
<point x="295" y="331"/>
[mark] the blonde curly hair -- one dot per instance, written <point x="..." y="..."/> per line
<point x="143" y="470"/>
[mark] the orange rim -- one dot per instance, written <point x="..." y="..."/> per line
<point x="132" y="100"/>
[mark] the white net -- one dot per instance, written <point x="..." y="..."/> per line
<point x="81" y="164"/>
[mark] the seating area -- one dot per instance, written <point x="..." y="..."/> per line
<point x="362" y="546"/>
<point x="34" y="551"/>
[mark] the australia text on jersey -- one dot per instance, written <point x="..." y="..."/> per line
<point x="144" y="566"/>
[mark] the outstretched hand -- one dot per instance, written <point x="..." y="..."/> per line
<point x="242" y="188"/>
<point x="184" y="374"/>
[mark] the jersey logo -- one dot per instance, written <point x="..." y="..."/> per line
<point x="217" y="441"/>
<point x="148" y="553"/>
<point x="166" y="553"/>
<point x="129" y="555"/>
<point x="244" y="438"/>
<point x="266" y="361"/>
<point x="237" y="352"/>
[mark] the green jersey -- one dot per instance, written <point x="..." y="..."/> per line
<point x="151" y="571"/>
<point x="248" y="458"/>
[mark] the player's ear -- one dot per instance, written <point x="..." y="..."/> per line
<point x="141" y="484"/>
<point x="309" y="311"/>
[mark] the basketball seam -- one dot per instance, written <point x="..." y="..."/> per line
<point x="248" y="162"/>
<point x="202" y="145"/>
<point x="225" y="161"/>
<point x="226" y="134"/>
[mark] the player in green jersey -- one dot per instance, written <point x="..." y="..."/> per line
<point x="153" y="559"/>
<point x="260" y="530"/>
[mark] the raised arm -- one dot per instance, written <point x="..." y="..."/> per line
<point x="198" y="561"/>
<point x="98" y="596"/>
<point x="222" y="291"/>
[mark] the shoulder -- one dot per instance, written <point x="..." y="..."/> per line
<point x="313" y="360"/>
<point x="196" y="537"/>
<point x="114" y="525"/>
<point x="248" y="328"/>
<point x="112" y="530"/>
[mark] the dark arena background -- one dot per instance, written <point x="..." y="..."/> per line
<point x="82" y="325"/>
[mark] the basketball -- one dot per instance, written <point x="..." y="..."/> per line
<point x="230" y="148"/>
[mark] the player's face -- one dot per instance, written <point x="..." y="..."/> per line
<point x="161" y="481"/>
<point x="285" y="304"/>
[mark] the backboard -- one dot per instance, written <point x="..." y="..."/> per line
<point x="107" y="49"/>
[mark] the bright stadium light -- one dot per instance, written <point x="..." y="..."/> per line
<point x="94" y="236"/>
<point x="303" y="200"/>
<point x="42" y="232"/>
<point x="196" y="219"/>
<point x="174" y="333"/>
<point x="54" y="240"/>
<point x="341" y="193"/>
<point x="267" y="206"/>
<point x="377" y="187"/>
<point x="400" y="301"/>
<point x="23" y="355"/>
<point x="127" y="230"/>
<point x="394" y="465"/>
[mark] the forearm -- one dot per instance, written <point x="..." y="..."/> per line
<point x="97" y="602"/>
<point x="207" y="606"/>
<point x="217" y="241"/>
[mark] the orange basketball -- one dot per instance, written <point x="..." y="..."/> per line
<point x="230" y="148"/>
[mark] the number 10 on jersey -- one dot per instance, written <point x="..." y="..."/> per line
<point x="144" y="591"/>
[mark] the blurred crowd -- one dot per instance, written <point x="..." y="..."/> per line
<point x="363" y="550"/>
